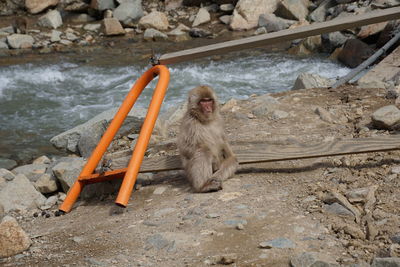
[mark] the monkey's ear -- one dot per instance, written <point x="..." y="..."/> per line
<point x="193" y="98"/>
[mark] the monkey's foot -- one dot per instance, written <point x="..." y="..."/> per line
<point x="212" y="185"/>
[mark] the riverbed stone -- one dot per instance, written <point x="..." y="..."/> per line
<point x="331" y="41"/>
<point x="292" y="9"/>
<point x="310" y="80"/>
<point x="386" y="262"/>
<point x="155" y="19"/>
<point x="227" y="8"/>
<point x="67" y="171"/>
<point x="368" y="30"/>
<point x="354" y="52"/>
<point x="324" y="114"/>
<point x="386" y="117"/>
<point x="94" y="27"/>
<point x="13" y="239"/>
<point x="273" y="23"/>
<point x="337" y="209"/>
<point x="203" y="16"/>
<point x="129" y="11"/>
<point x="96" y="126"/>
<point x="76" y="6"/>
<point x="226" y="19"/>
<point x="310" y="259"/>
<point x="46" y="184"/>
<point x="199" y="33"/>
<point x="20" y="194"/>
<point x="51" y="20"/>
<point x="319" y="14"/>
<point x="247" y="12"/>
<point x="3" y="45"/>
<point x="111" y="27"/>
<point x="37" y="6"/>
<point x="7" y="163"/>
<point x="102" y="5"/>
<point x="6" y="175"/>
<point x="31" y="171"/>
<point x="154" y="35"/>
<point x="17" y="41"/>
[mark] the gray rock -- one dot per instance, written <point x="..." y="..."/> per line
<point x="51" y="20"/>
<point x="313" y="259"/>
<point x="20" y="194"/>
<point x="3" y="45"/>
<point x="202" y="17"/>
<point x="280" y="242"/>
<point x="323" y="114"/>
<point x="55" y="36"/>
<point x="82" y="18"/>
<point x="18" y="41"/>
<point x="226" y="7"/>
<point x="337" y="209"/>
<point x="102" y="5"/>
<point x="260" y="30"/>
<point x="396" y="238"/>
<point x="7" y="163"/>
<point x="129" y="11"/>
<point x="6" y="175"/>
<point x="13" y="239"/>
<point x="295" y="10"/>
<point x="67" y="171"/>
<point x="386" y="262"/>
<point x="111" y="27"/>
<point x="7" y="30"/>
<point x="71" y="36"/>
<point x="331" y="41"/>
<point x="46" y="184"/>
<point x="386" y="117"/>
<point x="92" y="27"/>
<point x="31" y="171"/>
<point x="96" y="127"/>
<point x="51" y="201"/>
<point x="273" y="23"/>
<point x="154" y="35"/>
<point x="164" y="212"/>
<point x="42" y="160"/>
<point x="226" y="19"/>
<point x="159" y="190"/>
<point x="235" y="222"/>
<point x="310" y="80"/>
<point x="319" y="14"/>
<point x="35" y="6"/>
<point x="156" y="20"/>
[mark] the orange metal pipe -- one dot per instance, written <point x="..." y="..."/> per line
<point x="144" y="136"/>
<point x="116" y="123"/>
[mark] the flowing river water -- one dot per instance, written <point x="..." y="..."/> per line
<point x="41" y="100"/>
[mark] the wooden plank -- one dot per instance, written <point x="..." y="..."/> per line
<point x="281" y="36"/>
<point x="269" y="153"/>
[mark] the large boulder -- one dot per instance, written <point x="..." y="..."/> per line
<point x="129" y="11"/>
<point x="386" y="117"/>
<point x="31" y="171"/>
<point x="155" y="19"/>
<point x="13" y="239"/>
<point x="310" y="80"/>
<point x="293" y="9"/>
<point x="18" y="41"/>
<point x="36" y="6"/>
<point x="19" y="194"/>
<point x="371" y="29"/>
<point x="319" y="14"/>
<point x="332" y="40"/>
<point x="354" y="52"/>
<point x="91" y="131"/>
<point x="67" y="171"/>
<point x="51" y="20"/>
<point x="111" y="27"/>
<point x="247" y="13"/>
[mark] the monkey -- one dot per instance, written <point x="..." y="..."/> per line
<point x="205" y="154"/>
<point x="19" y="25"/>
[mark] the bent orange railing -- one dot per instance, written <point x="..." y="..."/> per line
<point x="141" y="145"/>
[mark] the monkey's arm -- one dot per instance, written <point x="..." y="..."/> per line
<point x="228" y="165"/>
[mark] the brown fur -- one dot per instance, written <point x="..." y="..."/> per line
<point x="205" y="154"/>
<point x="19" y="25"/>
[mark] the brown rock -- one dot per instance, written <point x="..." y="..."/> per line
<point x="354" y="52"/>
<point x="246" y="14"/>
<point x="111" y="26"/>
<point x="371" y="29"/>
<point x="172" y="4"/>
<point x="36" y="6"/>
<point x="156" y="20"/>
<point x="13" y="239"/>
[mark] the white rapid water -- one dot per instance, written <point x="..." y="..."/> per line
<point x="40" y="101"/>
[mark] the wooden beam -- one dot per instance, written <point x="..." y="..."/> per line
<point x="281" y="36"/>
<point x="269" y="153"/>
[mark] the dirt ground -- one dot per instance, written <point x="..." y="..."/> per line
<point x="165" y="224"/>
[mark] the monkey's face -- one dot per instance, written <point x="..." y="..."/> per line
<point x="206" y="105"/>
